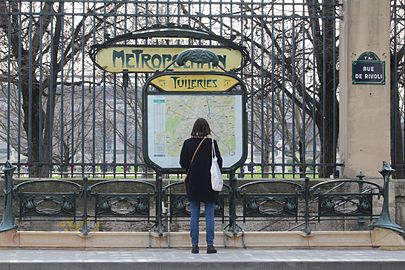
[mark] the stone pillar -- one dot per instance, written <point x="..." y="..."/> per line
<point x="364" y="139"/>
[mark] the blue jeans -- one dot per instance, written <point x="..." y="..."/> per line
<point x="209" y="222"/>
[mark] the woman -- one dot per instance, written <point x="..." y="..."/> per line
<point x="195" y="157"/>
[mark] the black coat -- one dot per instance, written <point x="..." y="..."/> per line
<point x="198" y="183"/>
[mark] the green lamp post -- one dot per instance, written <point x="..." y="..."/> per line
<point x="8" y="216"/>
<point x="384" y="221"/>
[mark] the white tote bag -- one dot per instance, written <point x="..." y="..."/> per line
<point x="216" y="177"/>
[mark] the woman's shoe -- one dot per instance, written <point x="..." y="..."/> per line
<point x="211" y="249"/>
<point x="195" y="249"/>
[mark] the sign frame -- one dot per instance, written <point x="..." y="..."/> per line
<point x="368" y="64"/>
<point x="150" y="59"/>
<point x="138" y="39"/>
<point x="191" y="83"/>
<point x="242" y="92"/>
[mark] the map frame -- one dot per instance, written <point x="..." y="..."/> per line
<point x="238" y="90"/>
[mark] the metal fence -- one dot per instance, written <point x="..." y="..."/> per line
<point x="397" y="86"/>
<point x="262" y="205"/>
<point x="63" y="117"/>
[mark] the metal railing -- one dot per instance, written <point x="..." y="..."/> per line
<point x="270" y="201"/>
<point x="63" y="117"/>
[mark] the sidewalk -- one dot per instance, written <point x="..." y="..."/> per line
<point x="226" y="258"/>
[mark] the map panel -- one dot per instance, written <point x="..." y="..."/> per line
<point x="171" y="118"/>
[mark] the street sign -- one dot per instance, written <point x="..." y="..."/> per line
<point x="116" y="59"/>
<point x="368" y="69"/>
<point x="194" y="82"/>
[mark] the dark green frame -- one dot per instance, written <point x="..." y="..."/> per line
<point x="145" y="94"/>
<point x="169" y="30"/>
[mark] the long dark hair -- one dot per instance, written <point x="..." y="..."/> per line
<point x="201" y="128"/>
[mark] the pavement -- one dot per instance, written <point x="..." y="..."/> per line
<point x="226" y="258"/>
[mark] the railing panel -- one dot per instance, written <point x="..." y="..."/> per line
<point x="126" y="200"/>
<point x="48" y="198"/>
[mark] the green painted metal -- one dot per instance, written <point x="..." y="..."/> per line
<point x="8" y="216"/>
<point x="307" y="227"/>
<point x="197" y="56"/>
<point x="329" y="201"/>
<point x="232" y="225"/>
<point x="38" y="198"/>
<point x="239" y="92"/>
<point x="384" y="221"/>
<point x="136" y="195"/>
<point x="85" y="228"/>
<point x="279" y="201"/>
<point x="175" y="198"/>
<point x="159" y="199"/>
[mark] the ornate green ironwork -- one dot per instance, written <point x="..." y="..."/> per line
<point x="268" y="202"/>
<point x="336" y="201"/>
<point x="270" y="206"/>
<point x="47" y="202"/>
<point x="178" y="204"/>
<point x="8" y="216"/>
<point x="202" y="56"/>
<point x="125" y="203"/>
<point x="384" y="221"/>
<point x="282" y="203"/>
<point x="345" y="205"/>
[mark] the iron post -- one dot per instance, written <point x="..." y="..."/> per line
<point x="159" y="200"/>
<point x="360" y="220"/>
<point x="85" y="229"/>
<point x="384" y="221"/>
<point x="233" y="227"/>
<point x="307" y="227"/>
<point x="8" y="216"/>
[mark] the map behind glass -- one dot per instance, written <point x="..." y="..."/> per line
<point x="171" y="118"/>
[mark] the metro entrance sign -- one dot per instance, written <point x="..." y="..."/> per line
<point x="173" y="100"/>
<point x="170" y="109"/>
<point x="368" y="69"/>
<point x="140" y="53"/>
<point x="191" y="79"/>
<point x="136" y="58"/>
<point x="194" y="82"/>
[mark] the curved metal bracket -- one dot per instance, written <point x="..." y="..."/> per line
<point x="196" y="55"/>
<point x="170" y="31"/>
<point x="202" y="56"/>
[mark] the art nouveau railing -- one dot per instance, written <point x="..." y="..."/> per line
<point x="269" y="204"/>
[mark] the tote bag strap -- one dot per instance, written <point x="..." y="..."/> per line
<point x="192" y="158"/>
<point x="213" y="149"/>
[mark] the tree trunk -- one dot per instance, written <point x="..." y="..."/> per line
<point x="266" y="160"/>
<point x="33" y="125"/>
<point x="327" y="120"/>
<point x="328" y="125"/>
